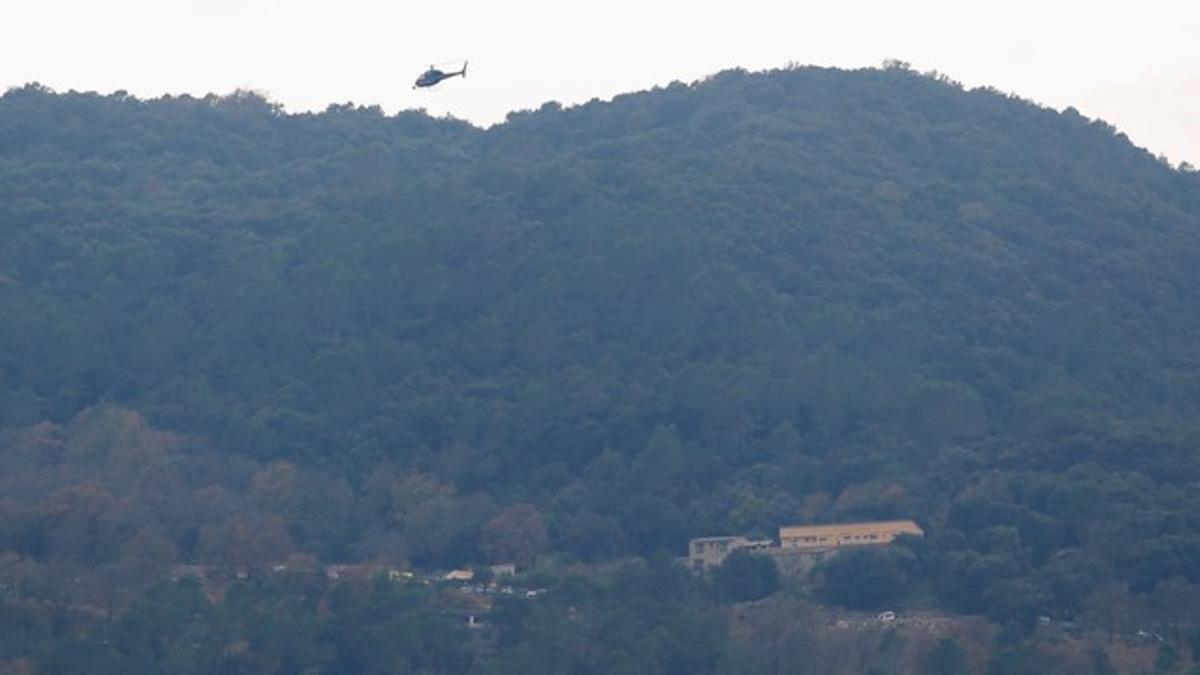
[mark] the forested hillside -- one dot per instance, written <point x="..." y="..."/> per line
<point x="234" y="336"/>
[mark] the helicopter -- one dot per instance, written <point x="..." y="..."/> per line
<point x="433" y="76"/>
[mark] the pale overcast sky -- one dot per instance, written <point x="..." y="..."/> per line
<point x="1136" y="65"/>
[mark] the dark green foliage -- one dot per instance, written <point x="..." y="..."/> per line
<point x="722" y="307"/>
<point x="392" y="629"/>
<point x="864" y="578"/>
<point x="744" y="576"/>
<point x="649" y="618"/>
<point x="947" y="658"/>
<point x="1022" y="660"/>
<point x="1167" y="659"/>
<point x="1016" y="602"/>
<point x="263" y="629"/>
<point x="1101" y="663"/>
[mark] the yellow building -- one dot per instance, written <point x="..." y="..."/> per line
<point x="826" y="537"/>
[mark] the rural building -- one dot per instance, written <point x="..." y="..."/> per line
<point x="800" y="547"/>
<point x="840" y="535"/>
<point x="360" y="573"/>
<point x="710" y="551"/>
<point x="504" y="570"/>
<point x="185" y="571"/>
<point x="459" y="575"/>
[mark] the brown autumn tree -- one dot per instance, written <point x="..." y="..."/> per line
<point x="517" y="534"/>
<point x="245" y="541"/>
<point x="147" y="554"/>
<point x="274" y="487"/>
<point x="79" y="523"/>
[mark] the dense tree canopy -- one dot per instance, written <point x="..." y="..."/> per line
<point x="236" y="336"/>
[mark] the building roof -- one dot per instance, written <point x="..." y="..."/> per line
<point x="909" y="526"/>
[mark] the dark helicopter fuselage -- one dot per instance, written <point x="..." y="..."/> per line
<point x="433" y="76"/>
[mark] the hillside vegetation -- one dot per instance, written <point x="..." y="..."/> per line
<point x="233" y="335"/>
